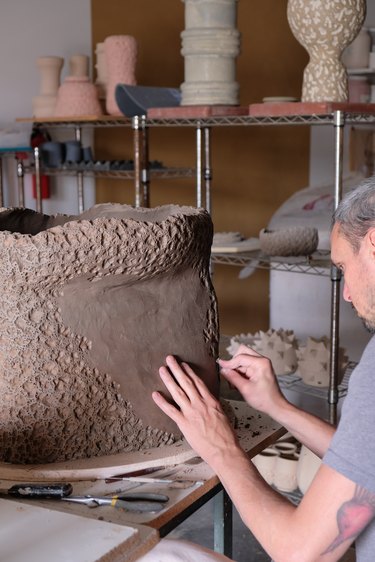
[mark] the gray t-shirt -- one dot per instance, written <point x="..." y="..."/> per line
<point x="352" y="449"/>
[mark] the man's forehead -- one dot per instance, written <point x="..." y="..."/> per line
<point x="338" y="242"/>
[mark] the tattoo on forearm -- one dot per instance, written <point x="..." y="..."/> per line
<point x="353" y="516"/>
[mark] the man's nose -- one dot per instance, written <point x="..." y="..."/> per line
<point x="346" y="293"/>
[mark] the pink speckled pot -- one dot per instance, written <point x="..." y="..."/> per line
<point x="77" y="96"/>
<point x="120" y="56"/>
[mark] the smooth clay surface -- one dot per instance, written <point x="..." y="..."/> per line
<point x="91" y="305"/>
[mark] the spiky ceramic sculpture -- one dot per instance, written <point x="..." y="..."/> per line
<point x="280" y="346"/>
<point x="314" y="360"/>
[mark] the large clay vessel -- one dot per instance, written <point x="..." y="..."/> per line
<point x="90" y="307"/>
<point x="325" y="28"/>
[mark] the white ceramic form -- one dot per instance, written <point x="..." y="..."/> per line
<point x="308" y="465"/>
<point x="50" y="69"/>
<point x="79" y="65"/>
<point x="285" y="478"/>
<point x="210" y="45"/>
<point x="265" y="462"/>
<point x="356" y="55"/>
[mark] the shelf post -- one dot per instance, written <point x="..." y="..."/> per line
<point x="1" y="182"/>
<point x="199" y="164"/>
<point x="81" y="206"/>
<point x="39" y="206"/>
<point x="338" y="123"/>
<point x="145" y="176"/>
<point x="207" y="167"/>
<point x="141" y="173"/>
<point x="20" y="178"/>
<point x="223" y="524"/>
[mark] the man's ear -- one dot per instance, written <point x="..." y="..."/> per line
<point x="371" y="240"/>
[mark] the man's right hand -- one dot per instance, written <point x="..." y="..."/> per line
<point x="253" y="376"/>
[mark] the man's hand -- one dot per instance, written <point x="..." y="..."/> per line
<point x="200" y="416"/>
<point x="253" y="376"/>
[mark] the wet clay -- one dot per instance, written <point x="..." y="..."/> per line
<point x="90" y="307"/>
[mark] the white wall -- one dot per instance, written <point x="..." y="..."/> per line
<point x="29" y="29"/>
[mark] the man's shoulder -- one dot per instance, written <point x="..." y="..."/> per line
<point x="370" y="348"/>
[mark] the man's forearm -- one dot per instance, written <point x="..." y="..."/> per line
<point x="310" y="430"/>
<point x="266" y="513"/>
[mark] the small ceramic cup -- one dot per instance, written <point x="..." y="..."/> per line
<point x="284" y="447"/>
<point x="285" y="478"/>
<point x="52" y="154"/>
<point x="73" y="151"/>
<point x="265" y="462"/>
<point x="87" y="154"/>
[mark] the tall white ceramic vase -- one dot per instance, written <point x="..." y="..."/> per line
<point x="210" y="45"/>
<point x="325" y="28"/>
<point x="50" y="69"/>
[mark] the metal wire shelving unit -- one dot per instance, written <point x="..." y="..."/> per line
<point x="337" y="115"/>
<point x="316" y="264"/>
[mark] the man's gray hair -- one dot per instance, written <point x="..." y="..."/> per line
<point x="355" y="213"/>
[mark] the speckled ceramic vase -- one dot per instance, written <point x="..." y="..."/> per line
<point x="325" y="28"/>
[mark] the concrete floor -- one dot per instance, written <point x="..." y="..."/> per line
<point x="199" y="529"/>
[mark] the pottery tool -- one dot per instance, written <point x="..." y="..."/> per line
<point x="154" y="480"/>
<point x="141" y="477"/>
<point x="139" y="473"/>
<point x="143" y="502"/>
<point x="47" y="491"/>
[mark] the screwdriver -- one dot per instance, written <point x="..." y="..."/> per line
<point x="55" y="490"/>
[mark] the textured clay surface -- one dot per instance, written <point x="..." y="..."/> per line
<point x="90" y="307"/>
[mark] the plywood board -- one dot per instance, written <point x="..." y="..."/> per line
<point x="278" y="109"/>
<point x="32" y="533"/>
<point x="98" y="467"/>
<point x="195" y="111"/>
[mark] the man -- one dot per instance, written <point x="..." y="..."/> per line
<point x="339" y="506"/>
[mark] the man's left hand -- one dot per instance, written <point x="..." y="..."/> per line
<point x="200" y="417"/>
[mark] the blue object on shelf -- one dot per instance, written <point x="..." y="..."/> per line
<point x="136" y="100"/>
<point x="13" y="149"/>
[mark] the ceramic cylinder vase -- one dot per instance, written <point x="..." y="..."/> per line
<point x="325" y="28"/>
<point x="210" y="45"/>
<point x="265" y="462"/>
<point x="79" y="65"/>
<point x="285" y="478"/>
<point x="120" y="60"/>
<point x="307" y="467"/>
<point x="357" y="54"/>
<point x="49" y="69"/>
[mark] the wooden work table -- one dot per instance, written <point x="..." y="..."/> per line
<point x="197" y="483"/>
